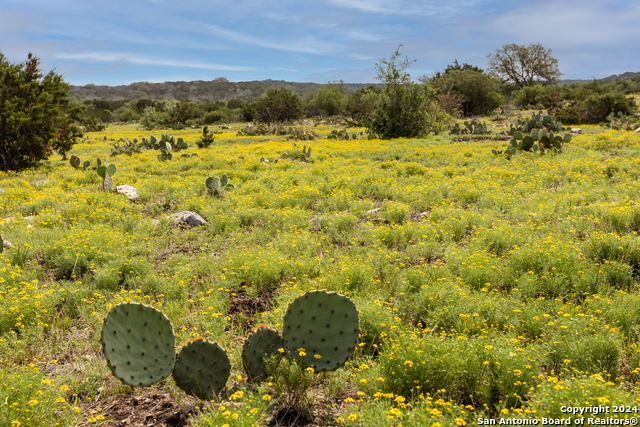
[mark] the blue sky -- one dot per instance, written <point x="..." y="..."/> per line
<point x="115" y="42"/>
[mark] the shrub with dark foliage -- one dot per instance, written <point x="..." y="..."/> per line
<point x="36" y="117"/>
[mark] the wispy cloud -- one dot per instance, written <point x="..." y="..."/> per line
<point x="139" y="60"/>
<point x="303" y="45"/>
<point x="123" y="41"/>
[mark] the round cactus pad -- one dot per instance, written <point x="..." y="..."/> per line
<point x="138" y="343"/>
<point x="321" y="329"/>
<point x="202" y="369"/>
<point x="263" y="343"/>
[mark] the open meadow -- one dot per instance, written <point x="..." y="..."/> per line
<point x="487" y="288"/>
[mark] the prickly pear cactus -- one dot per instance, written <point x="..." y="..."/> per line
<point x="202" y="369"/>
<point x="75" y="162"/>
<point x="138" y="343"/>
<point x="324" y="324"/>
<point x="263" y="343"/>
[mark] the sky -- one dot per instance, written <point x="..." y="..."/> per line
<point x="115" y="42"/>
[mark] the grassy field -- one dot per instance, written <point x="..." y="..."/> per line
<point x="487" y="288"/>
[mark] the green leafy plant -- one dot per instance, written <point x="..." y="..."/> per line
<point x="206" y="139"/>
<point x="36" y="115"/>
<point x="217" y="186"/>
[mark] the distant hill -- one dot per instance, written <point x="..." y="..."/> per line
<point x="627" y="75"/>
<point x="219" y="89"/>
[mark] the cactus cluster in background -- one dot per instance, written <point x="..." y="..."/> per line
<point x="621" y="122"/>
<point x="539" y="134"/>
<point x="217" y="186"/>
<point x="303" y="155"/>
<point x="469" y="128"/>
<point x="344" y="134"/>
<point x="320" y="331"/>
<point x="78" y="164"/>
<point x="127" y="147"/>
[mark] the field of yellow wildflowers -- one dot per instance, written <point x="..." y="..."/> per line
<point x="487" y="288"/>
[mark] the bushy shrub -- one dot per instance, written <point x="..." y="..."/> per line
<point x="529" y="96"/>
<point x="35" y="115"/>
<point x="591" y="103"/>
<point x="328" y="99"/>
<point x="480" y="92"/>
<point x="403" y="108"/>
<point x="360" y="103"/>
<point x="278" y="105"/>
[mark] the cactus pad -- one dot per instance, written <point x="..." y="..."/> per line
<point x="138" y="343"/>
<point x="263" y="343"/>
<point x="202" y="369"/>
<point x="324" y="324"/>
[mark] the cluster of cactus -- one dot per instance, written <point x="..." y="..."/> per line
<point x="127" y="147"/>
<point x="344" y="134"/>
<point x="299" y="134"/>
<point x="106" y="173"/>
<point x="217" y="186"/>
<point x="469" y="128"/>
<point x="303" y="155"/>
<point x="539" y="134"/>
<point x="621" y="122"/>
<point x="320" y="331"/>
<point x="78" y="164"/>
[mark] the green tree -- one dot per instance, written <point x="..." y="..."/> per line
<point x="36" y="116"/>
<point x="278" y="105"/>
<point x="480" y="92"/>
<point x="403" y="108"/>
<point x="328" y="99"/>
<point x="524" y="65"/>
<point x="361" y="103"/>
<point x="451" y="67"/>
<point x="529" y="96"/>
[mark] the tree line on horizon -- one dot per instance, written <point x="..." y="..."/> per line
<point x="38" y="113"/>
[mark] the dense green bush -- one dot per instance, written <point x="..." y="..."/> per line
<point x="329" y="99"/>
<point x="360" y="103"/>
<point x="36" y="116"/>
<point x="480" y="92"/>
<point x="529" y="96"/>
<point x="403" y="108"/>
<point x="591" y="103"/>
<point x="278" y="105"/>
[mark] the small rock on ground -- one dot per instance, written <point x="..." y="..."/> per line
<point x="129" y="191"/>
<point x="189" y="218"/>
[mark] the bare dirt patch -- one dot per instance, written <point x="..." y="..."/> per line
<point x="242" y="308"/>
<point x="145" y="408"/>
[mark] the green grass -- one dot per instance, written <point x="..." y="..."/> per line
<point x="485" y="286"/>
